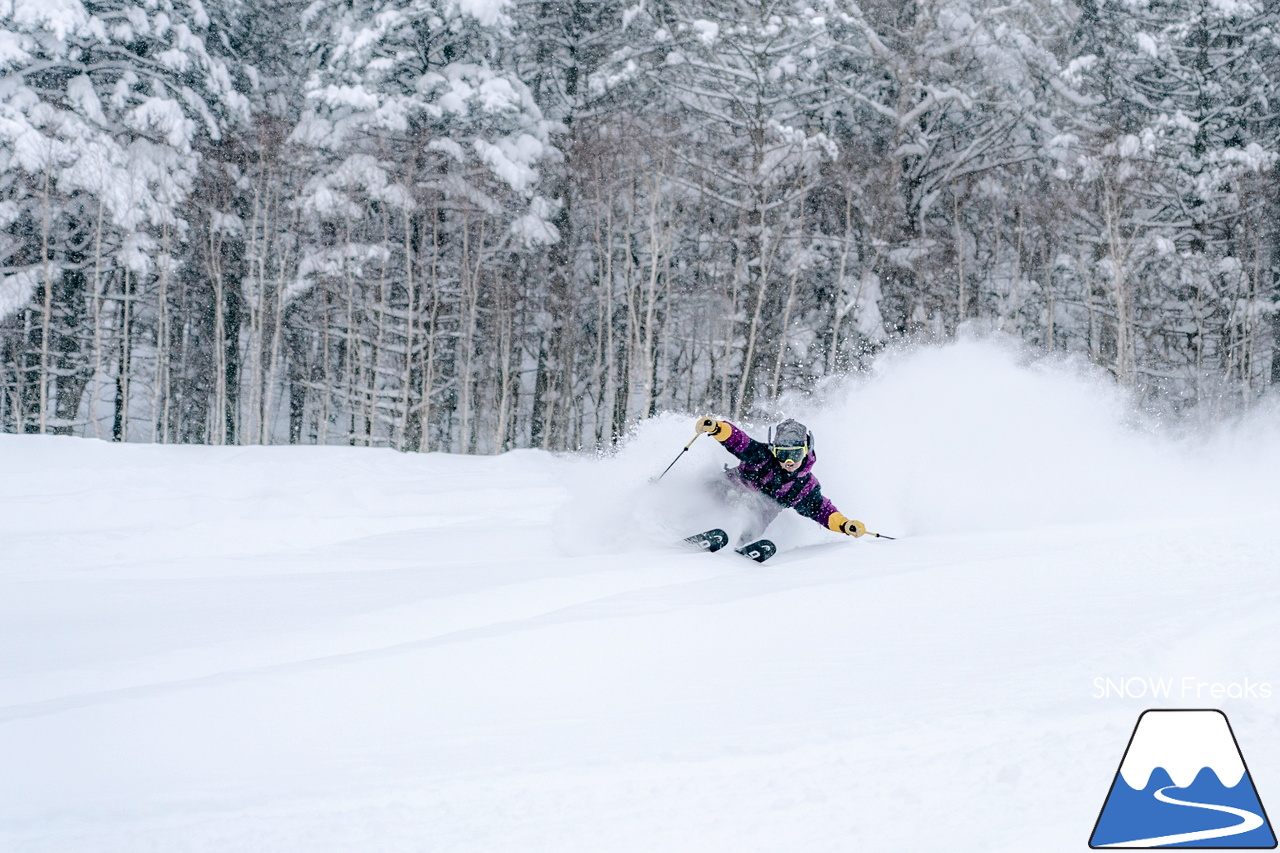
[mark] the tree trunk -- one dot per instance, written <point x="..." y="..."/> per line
<point x="120" y="426"/>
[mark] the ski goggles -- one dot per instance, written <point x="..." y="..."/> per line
<point x="790" y="454"/>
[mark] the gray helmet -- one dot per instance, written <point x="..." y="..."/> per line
<point x="790" y="441"/>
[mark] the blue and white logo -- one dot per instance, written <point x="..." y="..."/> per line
<point x="1183" y="783"/>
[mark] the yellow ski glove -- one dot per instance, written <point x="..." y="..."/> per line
<point x="840" y="524"/>
<point x="719" y="430"/>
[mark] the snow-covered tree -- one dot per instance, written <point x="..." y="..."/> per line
<point x="1176" y="153"/>
<point x="102" y="107"/>
<point x="746" y="94"/>
<point x="962" y="101"/>
<point x="481" y="224"/>
<point x="425" y="164"/>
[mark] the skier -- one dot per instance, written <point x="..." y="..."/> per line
<point x="776" y="475"/>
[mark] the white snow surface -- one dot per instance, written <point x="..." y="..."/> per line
<point x="322" y="649"/>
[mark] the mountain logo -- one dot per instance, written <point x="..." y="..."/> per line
<point x="1183" y="783"/>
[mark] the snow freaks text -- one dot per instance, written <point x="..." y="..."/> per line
<point x="1184" y="687"/>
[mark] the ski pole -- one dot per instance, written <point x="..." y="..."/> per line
<point x="677" y="459"/>
<point x="879" y="535"/>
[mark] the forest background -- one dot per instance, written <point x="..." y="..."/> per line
<point x="477" y="225"/>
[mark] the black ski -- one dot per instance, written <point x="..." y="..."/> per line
<point x="712" y="540"/>
<point x="759" y="551"/>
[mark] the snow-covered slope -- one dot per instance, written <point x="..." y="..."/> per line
<point x="341" y="649"/>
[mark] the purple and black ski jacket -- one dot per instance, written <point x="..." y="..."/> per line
<point x="759" y="470"/>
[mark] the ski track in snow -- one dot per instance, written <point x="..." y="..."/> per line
<point x="340" y="649"/>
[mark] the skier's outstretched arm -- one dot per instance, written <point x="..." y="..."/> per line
<point x="734" y="439"/>
<point x="824" y="512"/>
